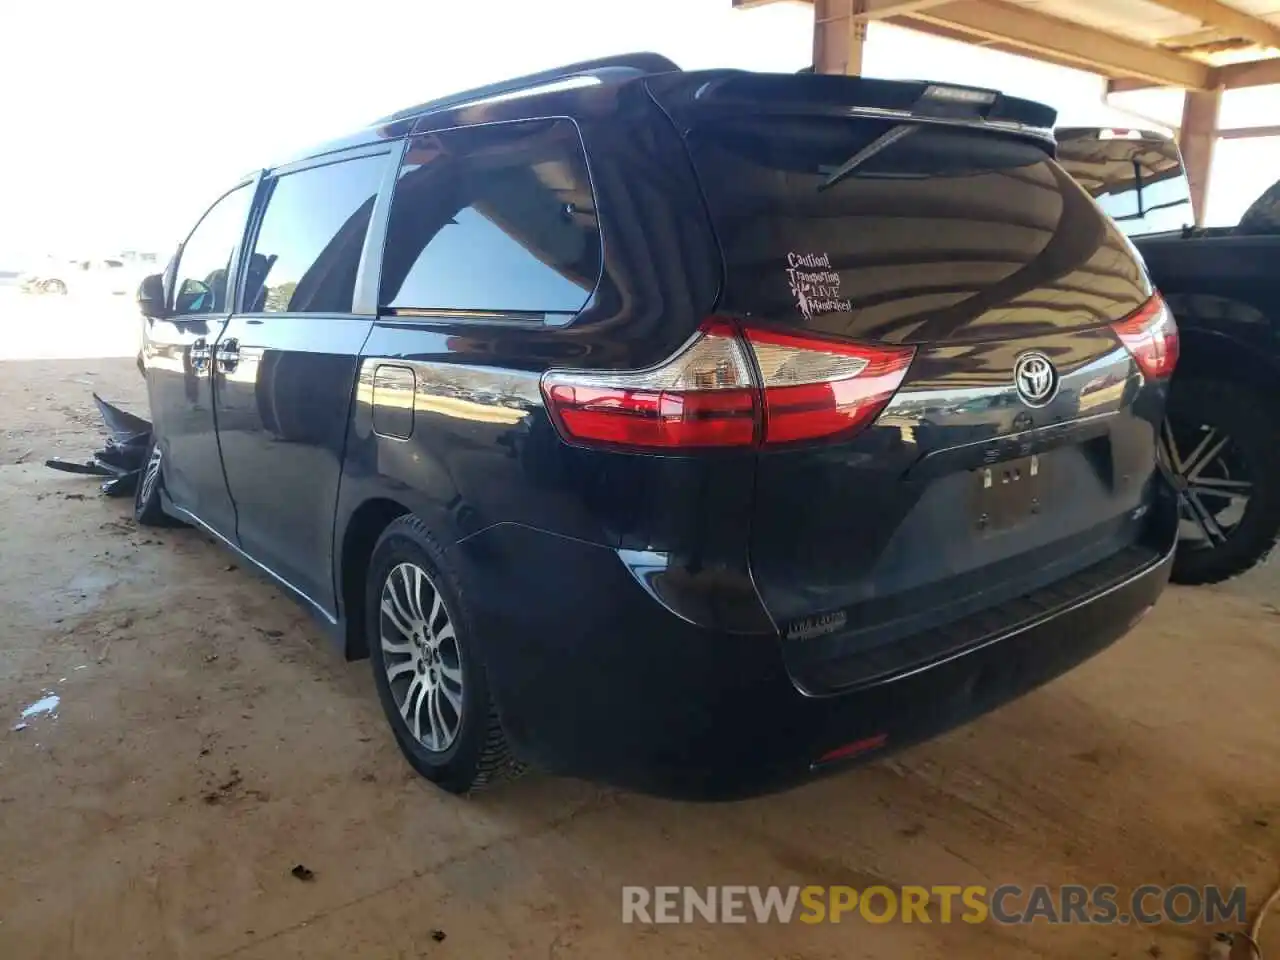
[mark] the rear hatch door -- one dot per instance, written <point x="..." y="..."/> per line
<point x="977" y="249"/>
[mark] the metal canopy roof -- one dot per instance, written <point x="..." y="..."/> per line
<point x="1196" y="44"/>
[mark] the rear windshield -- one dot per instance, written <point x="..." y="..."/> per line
<point x="1139" y="183"/>
<point x="943" y="234"/>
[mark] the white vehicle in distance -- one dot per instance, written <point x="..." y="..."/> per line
<point x="116" y="275"/>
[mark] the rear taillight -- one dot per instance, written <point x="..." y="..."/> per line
<point x="1151" y="335"/>
<point x="712" y="394"/>
<point x="823" y="388"/>
<point x="704" y="396"/>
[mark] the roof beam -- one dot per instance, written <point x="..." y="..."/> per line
<point x="883" y="9"/>
<point x="1253" y="73"/>
<point x="1229" y="20"/>
<point x="948" y="33"/>
<point x="871" y="9"/>
<point x="1125" y="84"/>
<point x="1256" y="73"/>
<point x="1248" y="133"/>
<point x="1064" y="40"/>
<point x="1129" y="65"/>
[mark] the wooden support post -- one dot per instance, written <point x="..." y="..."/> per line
<point x="839" y="33"/>
<point x="1197" y="139"/>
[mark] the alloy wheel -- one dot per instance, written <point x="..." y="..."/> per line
<point x="421" y="657"/>
<point x="1209" y="475"/>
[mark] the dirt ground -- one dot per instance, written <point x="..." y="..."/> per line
<point x="206" y="741"/>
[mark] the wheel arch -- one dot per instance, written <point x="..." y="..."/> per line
<point x="359" y="536"/>
<point x="1209" y="355"/>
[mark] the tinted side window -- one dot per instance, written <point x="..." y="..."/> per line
<point x="308" y="248"/>
<point x="206" y="256"/>
<point x="493" y="218"/>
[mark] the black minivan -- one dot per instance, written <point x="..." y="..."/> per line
<point x="693" y="431"/>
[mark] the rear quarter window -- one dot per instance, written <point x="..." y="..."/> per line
<point x="493" y="219"/>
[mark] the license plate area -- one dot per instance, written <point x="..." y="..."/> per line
<point x="1006" y="494"/>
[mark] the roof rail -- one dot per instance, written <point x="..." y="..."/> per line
<point x="629" y="64"/>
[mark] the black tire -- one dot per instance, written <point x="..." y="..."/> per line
<point x="1248" y="418"/>
<point x="1263" y="216"/>
<point x="147" y="510"/>
<point x="478" y="754"/>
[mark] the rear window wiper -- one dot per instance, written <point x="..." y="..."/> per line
<point x="880" y="143"/>
<point x="1152" y="209"/>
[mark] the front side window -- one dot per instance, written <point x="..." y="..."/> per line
<point x="493" y="219"/>
<point x="206" y="256"/>
<point x="307" y="250"/>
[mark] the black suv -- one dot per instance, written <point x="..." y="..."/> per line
<point x="697" y="432"/>
<point x="1221" y="440"/>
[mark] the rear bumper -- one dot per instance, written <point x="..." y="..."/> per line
<point x="598" y="679"/>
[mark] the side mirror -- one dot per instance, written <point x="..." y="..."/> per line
<point x="194" y="296"/>
<point x="151" y="297"/>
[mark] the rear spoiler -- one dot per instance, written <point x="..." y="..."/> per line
<point x="807" y="93"/>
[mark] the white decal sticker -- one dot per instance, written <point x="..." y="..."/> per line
<point x="815" y="285"/>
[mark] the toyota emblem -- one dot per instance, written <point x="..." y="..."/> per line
<point x="1035" y="378"/>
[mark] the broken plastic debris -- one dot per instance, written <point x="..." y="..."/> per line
<point x="121" y="460"/>
<point x="46" y="704"/>
<point x="124" y="426"/>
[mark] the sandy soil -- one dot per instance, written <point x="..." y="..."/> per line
<point x="207" y="740"/>
<point x="63" y="349"/>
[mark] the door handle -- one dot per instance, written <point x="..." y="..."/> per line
<point x="228" y="355"/>
<point x="200" y="355"/>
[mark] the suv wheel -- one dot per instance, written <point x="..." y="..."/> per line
<point x="1221" y="445"/>
<point x="54" y="286"/>
<point x="147" y="510"/>
<point x="427" y="666"/>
